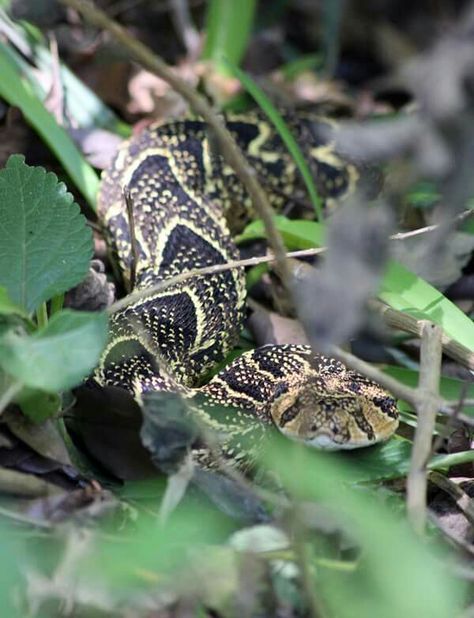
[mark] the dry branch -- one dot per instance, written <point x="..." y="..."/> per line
<point x="427" y="408"/>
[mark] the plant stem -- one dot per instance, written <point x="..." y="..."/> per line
<point x="42" y="315"/>
<point x="56" y="304"/>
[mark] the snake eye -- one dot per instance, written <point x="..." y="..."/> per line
<point x="290" y="413"/>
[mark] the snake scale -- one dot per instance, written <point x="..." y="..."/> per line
<point x="185" y="199"/>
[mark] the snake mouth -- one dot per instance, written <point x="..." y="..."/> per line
<point x="322" y="440"/>
<point x="326" y="441"/>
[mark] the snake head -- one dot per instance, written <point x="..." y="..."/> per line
<point x="321" y="417"/>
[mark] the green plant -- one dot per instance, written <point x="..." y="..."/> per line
<point x="46" y="247"/>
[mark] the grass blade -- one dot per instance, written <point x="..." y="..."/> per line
<point x="16" y="90"/>
<point x="228" y="27"/>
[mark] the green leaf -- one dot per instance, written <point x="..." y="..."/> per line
<point x="58" y="356"/>
<point x="81" y="104"/>
<point x="228" y="27"/>
<point x="405" y="291"/>
<point x="8" y="307"/>
<point x="296" y="233"/>
<point x="449" y="388"/>
<point x="38" y="405"/>
<point x="45" y="245"/>
<point x="16" y="90"/>
<point x="385" y="461"/>
<point x="286" y="135"/>
<point x="389" y="460"/>
<point x="400" y="288"/>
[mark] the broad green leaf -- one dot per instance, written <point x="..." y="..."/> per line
<point x="8" y="307"/>
<point x="296" y="233"/>
<point x="58" y="356"/>
<point x="45" y="245"/>
<point x="15" y="89"/>
<point x="380" y="462"/>
<point x="390" y="460"/>
<point x="405" y="291"/>
<point x="400" y="288"/>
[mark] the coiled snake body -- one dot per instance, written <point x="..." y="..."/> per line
<point x="184" y="198"/>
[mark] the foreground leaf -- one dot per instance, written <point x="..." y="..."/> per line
<point x="60" y="355"/>
<point x="45" y="245"/>
<point x="8" y="307"/>
<point x="392" y="558"/>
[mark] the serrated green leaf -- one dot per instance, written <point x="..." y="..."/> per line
<point x="58" y="356"/>
<point x="45" y="245"/>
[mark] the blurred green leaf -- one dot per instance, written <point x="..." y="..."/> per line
<point x="228" y="27"/>
<point x="7" y="306"/>
<point x="301" y="64"/>
<point x="423" y="195"/>
<point x="12" y="581"/>
<point x="398" y="574"/>
<point x="45" y="245"/>
<point x="15" y="89"/>
<point x="38" y="405"/>
<point x="332" y="13"/>
<point x="58" y="356"/>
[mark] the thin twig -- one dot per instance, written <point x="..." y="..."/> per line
<point x="463" y="501"/>
<point x="133" y="238"/>
<point x="466" y="214"/>
<point x="315" y="608"/>
<point x="410" y="324"/>
<point x="229" y="149"/>
<point x="201" y="272"/>
<point x="428" y="388"/>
